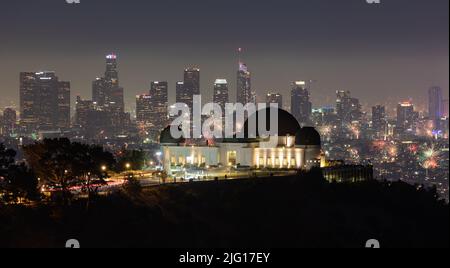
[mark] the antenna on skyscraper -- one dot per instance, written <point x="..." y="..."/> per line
<point x="239" y="55"/>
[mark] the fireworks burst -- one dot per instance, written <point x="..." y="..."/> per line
<point x="429" y="158"/>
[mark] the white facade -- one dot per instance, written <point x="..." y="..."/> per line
<point x="228" y="154"/>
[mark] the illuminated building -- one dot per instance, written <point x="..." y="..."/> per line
<point x="244" y="86"/>
<point x="435" y="106"/>
<point x="44" y="102"/>
<point x="274" y="98"/>
<point x="190" y="87"/>
<point x="221" y="93"/>
<point x="83" y="109"/>
<point x="406" y="118"/>
<point x="158" y="106"/>
<point x="379" y="120"/>
<point x="301" y="106"/>
<point x="108" y="97"/>
<point x="143" y="109"/>
<point x="63" y="105"/>
<point x="348" y="109"/>
<point x="8" y="121"/>
<point x="296" y="148"/>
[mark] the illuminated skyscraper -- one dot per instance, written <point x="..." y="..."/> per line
<point x="406" y="117"/>
<point x="106" y="89"/>
<point x="83" y="109"/>
<point x="348" y="109"/>
<point x="44" y="101"/>
<point x="191" y="86"/>
<point x="108" y="97"/>
<point x="379" y="120"/>
<point x="111" y="73"/>
<point x="8" y="121"/>
<point x="143" y="109"/>
<point x="100" y="92"/>
<point x="181" y="96"/>
<point x="435" y="105"/>
<point x="275" y="98"/>
<point x="64" y="105"/>
<point x="221" y="94"/>
<point x="244" y="88"/>
<point x="159" y="105"/>
<point x="301" y="106"/>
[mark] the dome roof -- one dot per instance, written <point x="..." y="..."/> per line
<point x="166" y="137"/>
<point x="308" y="136"/>
<point x="287" y="124"/>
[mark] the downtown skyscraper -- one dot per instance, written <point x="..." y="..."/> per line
<point x="301" y="106"/>
<point x="436" y="106"/>
<point x="106" y="91"/>
<point x="109" y="117"/>
<point x="8" y="122"/>
<point x="159" y="98"/>
<point x="274" y="98"/>
<point x="143" y="109"/>
<point x="379" y="121"/>
<point x="406" y="118"/>
<point x="221" y="93"/>
<point x="44" y="102"/>
<point x="244" y="85"/>
<point x="348" y="109"/>
<point x="189" y="87"/>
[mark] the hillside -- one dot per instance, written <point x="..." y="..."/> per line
<point x="273" y="212"/>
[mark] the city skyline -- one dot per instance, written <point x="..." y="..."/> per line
<point x="380" y="62"/>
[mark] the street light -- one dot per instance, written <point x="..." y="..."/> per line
<point x="104" y="168"/>
<point x="128" y="167"/>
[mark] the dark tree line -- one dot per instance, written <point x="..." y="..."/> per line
<point x="17" y="181"/>
<point x="60" y="163"/>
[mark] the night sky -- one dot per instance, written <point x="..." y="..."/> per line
<point x="383" y="53"/>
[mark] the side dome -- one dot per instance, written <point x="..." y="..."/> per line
<point x="287" y="124"/>
<point x="166" y="137"/>
<point x="308" y="136"/>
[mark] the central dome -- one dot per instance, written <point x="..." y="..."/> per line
<point x="287" y="124"/>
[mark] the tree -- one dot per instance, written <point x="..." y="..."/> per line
<point x="22" y="183"/>
<point x="18" y="181"/>
<point x="136" y="159"/>
<point x="63" y="163"/>
<point x="7" y="158"/>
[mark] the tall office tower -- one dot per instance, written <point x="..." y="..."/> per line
<point x="8" y="121"/>
<point x="143" y="109"/>
<point x="101" y="92"/>
<point x="191" y="86"/>
<point x="181" y="96"/>
<point x="159" y="98"/>
<point x="244" y="86"/>
<point x="379" y="120"/>
<point x="108" y="97"/>
<point x="106" y="90"/>
<point x="40" y="101"/>
<point x="406" y="117"/>
<point x="274" y="98"/>
<point x="111" y="73"/>
<point x="435" y="106"/>
<point x="83" y="110"/>
<point x="221" y="93"/>
<point x="301" y="106"/>
<point x="348" y="109"/>
<point x="64" y="105"/>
